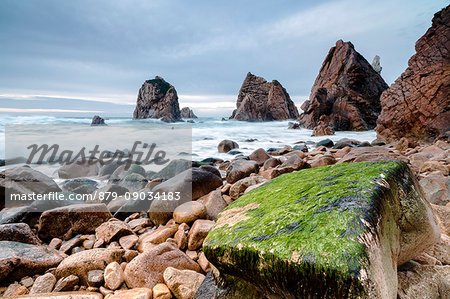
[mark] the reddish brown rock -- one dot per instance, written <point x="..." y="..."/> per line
<point x="18" y="232"/>
<point x="112" y="230"/>
<point x="198" y="233"/>
<point x="262" y="100"/>
<point x="157" y="99"/>
<point x="417" y="105"/>
<point x="323" y="128"/>
<point x="146" y="270"/>
<point x="347" y="90"/>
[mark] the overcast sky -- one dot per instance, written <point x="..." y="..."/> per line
<point x="93" y="56"/>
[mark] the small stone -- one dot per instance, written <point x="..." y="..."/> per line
<point x="95" y="278"/>
<point x="203" y="262"/>
<point x="130" y="254"/>
<point x="198" y="233"/>
<point x="189" y="212"/>
<point x="192" y="254"/>
<point x="105" y="291"/>
<point x="114" y="276"/>
<point x="183" y="283"/>
<point x="55" y="243"/>
<point x="66" y="284"/>
<point x="128" y="242"/>
<point x="27" y="282"/>
<point x="67" y="246"/>
<point x="181" y="239"/>
<point x="137" y="293"/>
<point x="43" y="284"/>
<point x="161" y="291"/>
<point x="156" y="237"/>
<point x="112" y="230"/>
<point x="15" y="289"/>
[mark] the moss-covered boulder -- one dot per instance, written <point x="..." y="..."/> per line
<point x="329" y="232"/>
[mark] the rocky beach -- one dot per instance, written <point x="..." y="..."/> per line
<point x="347" y="197"/>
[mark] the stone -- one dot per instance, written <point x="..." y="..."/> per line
<point x="133" y="182"/>
<point x="43" y="284"/>
<point x="79" y="169"/>
<point x="95" y="278"/>
<point x="158" y="236"/>
<point x="18" y="232"/>
<point x="157" y="99"/>
<point x="24" y="180"/>
<point x="443" y="213"/>
<point x="323" y="161"/>
<point x="181" y="239"/>
<point x="238" y="188"/>
<point x="146" y="270"/>
<point x="416" y="105"/>
<point x="66" y="222"/>
<point x="174" y="167"/>
<point x="15" y="290"/>
<point x="161" y="291"/>
<point x="431" y="166"/>
<point x="323" y="127"/>
<point x="187" y="112"/>
<point x="312" y="219"/>
<point x="376" y="64"/>
<point x="214" y="204"/>
<point x="436" y="188"/>
<point x="295" y="162"/>
<point x="259" y="100"/>
<point x="81" y="263"/>
<point x="112" y="230"/>
<point x="198" y="233"/>
<point x="137" y="293"/>
<point x="347" y="91"/>
<point x="65" y="295"/>
<point x="27" y="282"/>
<point x="128" y="242"/>
<point x="294" y="126"/>
<point x="55" y="243"/>
<point x="68" y="245"/>
<point x="18" y="260"/>
<point x="203" y="262"/>
<point x="260" y="156"/>
<point x="114" y="276"/>
<point x="227" y="145"/>
<point x="66" y="283"/>
<point x="98" y="121"/>
<point x="239" y="169"/>
<point x="369" y="154"/>
<point x="424" y="282"/>
<point x="189" y="212"/>
<point x="325" y="142"/>
<point x="272" y="162"/>
<point x="183" y="283"/>
<point x="441" y="250"/>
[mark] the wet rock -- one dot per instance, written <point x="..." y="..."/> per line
<point x="81" y="263"/>
<point x="98" y="121"/>
<point x="189" y="212"/>
<point x="272" y="162"/>
<point x="18" y="232"/>
<point x="65" y="295"/>
<point x="325" y="142"/>
<point x="157" y="99"/>
<point x="214" y="204"/>
<point x="416" y="105"/>
<point x="261" y="100"/>
<point x="259" y="156"/>
<point x="269" y="226"/>
<point x="114" y="276"/>
<point x="78" y="169"/>
<point x="187" y="112"/>
<point x="239" y="169"/>
<point x="79" y="185"/>
<point x="238" y="188"/>
<point x="146" y="270"/>
<point x="227" y="145"/>
<point x="133" y="182"/>
<point x="183" y="283"/>
<point x="369" y="154"/>
<point x="15" y="290"/>
<point x="43" y="284"/>
<point x="173" y="168"/>
<point x="323" y="161"/>
<point x="198" y="233"/>
<point x="295" y="162"/>
<point x="158" y="236"/>
<point x="66" y="222"/>
<point x="19" y="259"/>
<point x="112" y="230"/>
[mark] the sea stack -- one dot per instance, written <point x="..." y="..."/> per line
<point x="417" y="105"/>
<point x="347" y="90"/>
<point x="187" y="112"/>
<point x="259" y="100"/>
<point x="157" y="99"/>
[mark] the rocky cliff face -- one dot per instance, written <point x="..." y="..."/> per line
<point x="417" y="105"/>
<point x="157" y="99"/>
<point x="261" y="100"/>
<point x="187" y="112"/>
<point x="347" y="90"/>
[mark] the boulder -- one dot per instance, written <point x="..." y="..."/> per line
<point x="64" y="295"/>
<point x="376" y="64"/>
<point x="161" y="291"/>
<point x="157" y="236"/>
<point x="189" y="212"/>
<point x="339" y="230"/>
<point x="78" y="169"/>
<point x="239" y="169"/>
<point x="347" y="91"/>
<point x="369" y="154"/>
<point x="43" y="284"/>
<point x="227" y="145"/>
<point x="98" y="121"/>
<point x="81" y="263"/>
<point x="137" y="293"/>
<point x="198" y="233"/>
<point x="146" y="270"/>
<point x="417" y="105"/>
<point x="157" y="99"/>
<point x="424" y="281"/>
<point x="214" y="204"/>
<point x="114" y="276"/>
<point x="259" y="100"/>
<point x="174" y="167"/>
<point x="436" y="188"/>
<point x="259" y="156"/>
<point x="66" y="283"/>
<point x="183" y="283"/>
<point x="66" y="222"/>
<point x="238" y="188"/>
<point x="187" y="112"/>
<point x="18" y="232"/>
<point x="19" y="259"/>
<point x="112" y="230"/>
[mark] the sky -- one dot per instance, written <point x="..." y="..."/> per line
<point x="91" y="57"/>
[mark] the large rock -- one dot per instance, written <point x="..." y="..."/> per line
<point x="98" y="121"/>
<point x="24" y="180"/>
<point x="347" y="90"/>
<point x="334" y="231"/>
<point x="66" y="222"/>
<point x="79" y="264"/>
<point x="146" y="270"/>
<point x="18" y="260"/>
<point x="239" y="169"/>
<point x="423" y="282"/>
<point x="78" y="169"/>
<point x="18" y="232"/>
<point x="417" y="105"/>
<point x="183" y="283"/>
<point x="157" y="99"/>
<point x="262" y="100"/>
<point x="64" y="295"/>
<point x="187" y="112"/>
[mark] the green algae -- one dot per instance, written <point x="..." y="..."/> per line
<point x="309" y="225"/>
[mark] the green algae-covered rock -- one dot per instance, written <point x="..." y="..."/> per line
<point x="329" y="232"/>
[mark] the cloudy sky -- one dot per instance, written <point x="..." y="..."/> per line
<point x="92" y="56"/>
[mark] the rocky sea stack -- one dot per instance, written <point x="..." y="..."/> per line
<point x="417" y="105"/>
<point x="347" y="91"/>
<point x="157" y="99"/>
<point x="259" y="100"/>
<point x="187" y="112"/>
